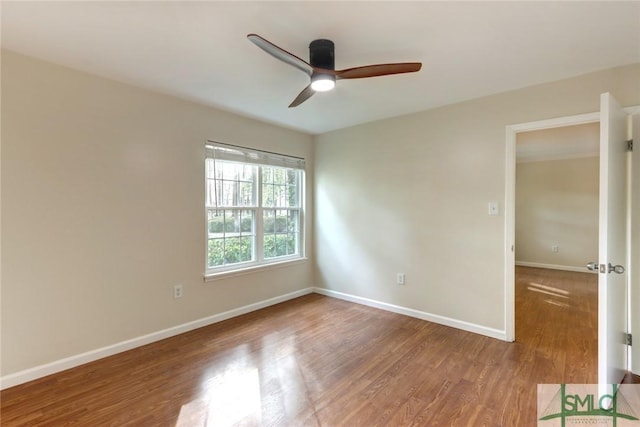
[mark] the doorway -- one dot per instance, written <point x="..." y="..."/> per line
<point x="556" y="235"/>
<point x="510" y="205"/>
<point x="617" y="196"/>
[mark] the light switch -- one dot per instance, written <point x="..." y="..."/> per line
<point x="493" y="208"/>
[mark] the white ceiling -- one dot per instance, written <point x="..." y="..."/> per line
<point x="199" y="51"/>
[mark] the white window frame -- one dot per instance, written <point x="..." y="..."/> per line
<point x="227" y="152"/>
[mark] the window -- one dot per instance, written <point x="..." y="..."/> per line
<point x="254" y="207"/>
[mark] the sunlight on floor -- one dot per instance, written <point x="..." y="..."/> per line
<point x="232" y="397"/>
<point x="548" y="290"/>
<point x="252" y="388"/>
<point x="558" y="303"/>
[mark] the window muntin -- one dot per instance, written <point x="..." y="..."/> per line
<point x="254" y="208"/>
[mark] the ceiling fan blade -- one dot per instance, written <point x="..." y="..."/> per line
<point x="378" y="70"/>
<point x="306" y="93"/>
<point x="280" y="53"/>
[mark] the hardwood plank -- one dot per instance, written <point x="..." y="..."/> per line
<point x="318" y="361"/>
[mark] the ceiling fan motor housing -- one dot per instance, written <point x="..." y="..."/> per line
<point x="321" y="54"/>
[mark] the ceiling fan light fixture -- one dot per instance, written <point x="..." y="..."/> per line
<point x="323" y="82"/>
<point x="321" y="66"/>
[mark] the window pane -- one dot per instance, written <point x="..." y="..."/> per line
<point x="280" y="196"/>
<point x="293" y="184"/>
<point x="276" y="221"/>
<point x="216" y="222"/>
<point x="280" y="232"/>
<point x="267" y="174"/>
<point x="231" y="236"/>
<point x="276" y="245"/>
<point x="231" y="223"/>
<point x="269" y="246"/>
<point x="230" y="250"/>
<point x="215" y="254"/>
<point x="230" y="184"/>
<point x="238" y="249"/>
<point x="267" y="195"/>
<point x="281" y="221"/>
<point x="246" y="222"/>
<point x="245" y="195"/>
<point x="292" y="243"/>
<point x="268" y="218"/>
<point x="292" y="223"/>
<point x="209" y="170"/>
<point x="280" y="187"/>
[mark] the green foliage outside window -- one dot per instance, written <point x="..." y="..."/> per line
<point x="229" y="251"/>
<point x="217" y="224"/>
<point x="239" y="249"/>
<point x="279" y="245"/>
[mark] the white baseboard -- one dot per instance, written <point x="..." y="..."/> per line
<point x="435" y="318"/>
<point x="90" y="356"/>
<point x="553" y="266"/>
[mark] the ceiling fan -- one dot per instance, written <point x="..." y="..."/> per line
<point x="321" y="66"/>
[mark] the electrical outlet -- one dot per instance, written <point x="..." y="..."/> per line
<point x="177" y="291"/>
<point x="555" y="248"/>
<point x="400" y="278"/>
<point x="494" y="208"/>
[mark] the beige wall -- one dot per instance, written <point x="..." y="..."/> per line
<point x="103" y="212"/>
<point x="102" y="206"/>
<point x="557" y="204"/>
<point x="410" y="194"/>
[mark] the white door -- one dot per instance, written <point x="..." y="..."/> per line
<point x="634" y="256"/>
<point x="612" y="285"/>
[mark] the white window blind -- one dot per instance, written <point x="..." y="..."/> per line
<point x="219" y="151"/>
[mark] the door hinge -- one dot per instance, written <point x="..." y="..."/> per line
<point x="629" y="340"/>
<point x="630" y="145"/>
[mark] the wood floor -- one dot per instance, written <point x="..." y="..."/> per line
<point x="318" y="361"/>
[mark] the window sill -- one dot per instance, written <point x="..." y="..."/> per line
<point x="212" y="277"/>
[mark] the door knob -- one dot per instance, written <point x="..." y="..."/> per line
<point x="594" y="266"/>
<point x="618" y="269"/>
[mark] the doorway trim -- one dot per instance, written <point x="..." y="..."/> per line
<point x="510" y="204"/>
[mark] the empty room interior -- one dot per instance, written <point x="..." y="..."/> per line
<point x="315" y="213"/>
